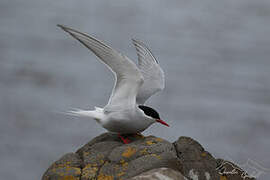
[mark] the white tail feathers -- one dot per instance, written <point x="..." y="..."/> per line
<point x="96" y="114"/>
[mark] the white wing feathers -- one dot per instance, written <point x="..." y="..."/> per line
<point x="127" y="75"/>
<point x="151" y="71"/>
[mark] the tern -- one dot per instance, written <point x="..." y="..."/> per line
<point x="125" y="112"/>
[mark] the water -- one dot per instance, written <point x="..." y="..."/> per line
<point x="215" y="56"/>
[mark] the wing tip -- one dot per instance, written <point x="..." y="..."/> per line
<point x="137" y="41"/>
<point x="62" y="26"/>
<point x="65" y="28"/>
<point x="134" y="39"/>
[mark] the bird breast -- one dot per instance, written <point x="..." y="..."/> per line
<point x="126" y="122"/>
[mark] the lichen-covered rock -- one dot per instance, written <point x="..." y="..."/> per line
<point x="107" y="158"/>
<point x="197" y="163"/>
<point x="160" y="174"/>
<point x="67" y="167"/>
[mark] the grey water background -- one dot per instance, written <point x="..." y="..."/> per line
<point x="215" y="55"/>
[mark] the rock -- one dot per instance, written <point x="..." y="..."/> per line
<point x="67" y="167"/>
<point x="196" y="162"/>
<point x="160" y="174"/>
<point x="107" y="158"/>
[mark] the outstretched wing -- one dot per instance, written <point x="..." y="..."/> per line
<point x="128" y="78"/>
<point x="151" y="71"/>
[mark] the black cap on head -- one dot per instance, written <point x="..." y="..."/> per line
<point x="149" y="111"/>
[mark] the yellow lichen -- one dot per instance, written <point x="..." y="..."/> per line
<point x="150" y="142"/>
<point x="129" y="152"/>
<point x="121" y="174"/>
<point x="204" y="154"/>
<point x="63" y="165"/>
<point x="104" y="177"/>
<point x="86" y="153"/>
<point x="66" y="170"/>
<point x="101" y="161"/>
<point x="144" y="151"/>
<point x="156" y="156"/>
<point x="154" y="141"/>
<point x="89" y="171"/>
<point x="223" y="178"/>
<point x="100" y="156"/>
<point x="139" y="135"/>
<point x="69" y="178"/>
<point x="64" y="173"/>
<point x="116" y="167"/>
<point x="124" y="164"/>
<point x="158" y="139"/>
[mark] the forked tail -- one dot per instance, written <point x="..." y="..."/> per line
<point x="95" y="114"/>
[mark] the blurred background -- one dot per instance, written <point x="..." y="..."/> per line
<point x="215" y="55"/>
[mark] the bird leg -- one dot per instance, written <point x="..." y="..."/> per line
<point x="125" y="140"/>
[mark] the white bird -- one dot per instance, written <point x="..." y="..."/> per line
<point x="125" y="112"/>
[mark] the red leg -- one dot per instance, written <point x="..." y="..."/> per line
<point x="125" y="140"/>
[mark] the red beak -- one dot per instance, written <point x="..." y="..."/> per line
<point x="162" y="122"/>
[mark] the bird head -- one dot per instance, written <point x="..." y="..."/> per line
<point x="153" y="114"/>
